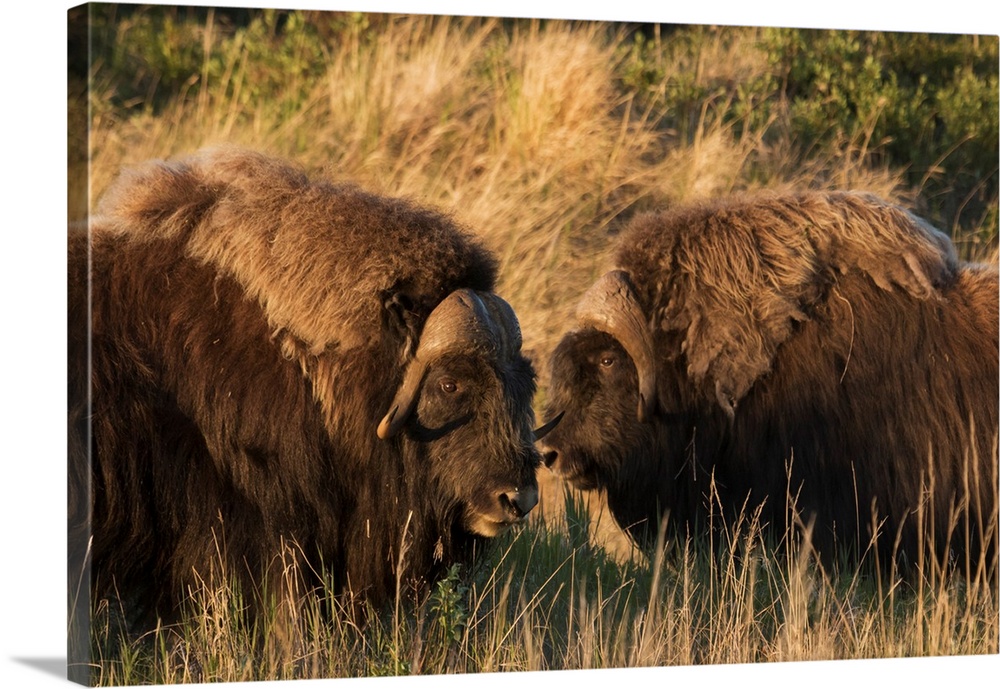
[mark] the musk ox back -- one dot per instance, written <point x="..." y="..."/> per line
<point x="821" y="351"/>
<point x="279" y="362"/>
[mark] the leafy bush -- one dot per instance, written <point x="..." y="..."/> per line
<point x="921" y="103"/>
<point x="161" y="53"/>
<point x="924" y="103"/>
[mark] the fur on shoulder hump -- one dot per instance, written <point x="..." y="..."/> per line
<point x="734" y="275"/>
<point x="320" y="257"/>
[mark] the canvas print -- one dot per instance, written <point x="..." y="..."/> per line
<point x="411" y="344"/>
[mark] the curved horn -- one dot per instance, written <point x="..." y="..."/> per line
<point x="465" y="321"/>
<point x="547" y="427"/>
<point x="610" y="306"/>
<point x="503" y="324"/>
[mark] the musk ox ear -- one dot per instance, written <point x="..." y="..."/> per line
<point x="402" y="317"/>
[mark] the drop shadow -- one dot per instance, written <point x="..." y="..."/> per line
<point x="50" y="666"/>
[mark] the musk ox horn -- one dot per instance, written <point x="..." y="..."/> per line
<point x="464" y="322"/>
<point x="547" y="427"/>
<point x="610" y="306"/>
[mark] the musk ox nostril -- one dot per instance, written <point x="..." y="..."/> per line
<point x="549" y="458"/>
<point x="522" y="500"/>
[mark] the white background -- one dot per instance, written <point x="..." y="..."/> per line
<point x="33" y="313"/>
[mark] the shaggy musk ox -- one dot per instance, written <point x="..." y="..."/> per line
<point x="276" y="361"/>
<point x="822" y="351"/>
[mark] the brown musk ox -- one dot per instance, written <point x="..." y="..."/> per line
<point x="818" y="353"/>
<point x="274" y="360"/>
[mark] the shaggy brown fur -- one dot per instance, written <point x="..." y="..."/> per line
<point x="829" y="332"/>
<point x="248" y="330"/>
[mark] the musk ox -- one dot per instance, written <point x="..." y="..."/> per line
<point x="272" y="361"/>
<point x="819" y="352"/>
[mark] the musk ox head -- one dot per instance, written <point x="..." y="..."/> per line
<point x="603" y="385"/>
<point x="697" y="309"/>
<point x="465" y="396"/>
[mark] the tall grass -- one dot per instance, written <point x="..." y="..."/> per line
<point x="549" y="597"/>
<point x="543" y="138"/>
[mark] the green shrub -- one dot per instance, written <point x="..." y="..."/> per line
<point x="922" y="103"/>
<point x="926" y="104"/>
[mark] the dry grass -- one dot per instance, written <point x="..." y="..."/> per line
<point x="550" y="597"/>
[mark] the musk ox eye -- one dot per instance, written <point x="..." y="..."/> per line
<point x="448" y="385"/>
<point x="607" y="361"/>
